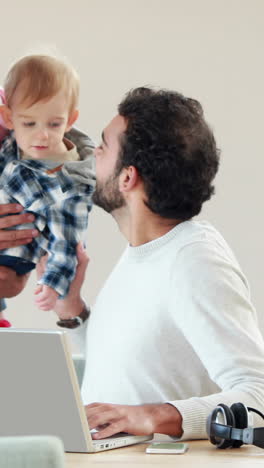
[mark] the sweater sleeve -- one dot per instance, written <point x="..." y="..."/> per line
<point x="216" y="316"/>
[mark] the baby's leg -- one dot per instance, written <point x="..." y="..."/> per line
<point x="2" y="307"/>
<point x="3" y="322"/>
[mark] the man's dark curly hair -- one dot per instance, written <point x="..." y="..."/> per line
<point x="173" y="149"/>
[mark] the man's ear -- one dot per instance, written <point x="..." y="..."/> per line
<point x="7" y="117"/>
<point x="72" y="118"/>
<point x="129" y="177"/>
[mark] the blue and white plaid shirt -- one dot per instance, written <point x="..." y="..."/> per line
<point x="59" y="198"/>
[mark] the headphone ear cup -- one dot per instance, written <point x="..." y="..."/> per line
<point x="241" y="420"/>
<point x="230" y="421"/>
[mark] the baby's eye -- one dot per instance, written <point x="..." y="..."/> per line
<point x="28" y="124"/>
<point x="55" y="124"/>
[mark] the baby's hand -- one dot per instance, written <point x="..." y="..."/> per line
<point x="46" y="297"/>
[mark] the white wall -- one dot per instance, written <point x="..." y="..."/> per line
<point x="208" y="49"/>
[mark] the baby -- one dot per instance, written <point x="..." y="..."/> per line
<point x="44" y="171"/>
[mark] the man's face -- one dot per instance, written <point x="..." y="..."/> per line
<point x="39" y="129"/>
<point x="107" y="194"/>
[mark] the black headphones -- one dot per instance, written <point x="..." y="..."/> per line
<point x="229" y="427"/>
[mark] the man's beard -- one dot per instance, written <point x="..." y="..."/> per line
<point x="107" y="195"/>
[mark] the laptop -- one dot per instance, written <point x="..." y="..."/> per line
<point x="40" y="394"/>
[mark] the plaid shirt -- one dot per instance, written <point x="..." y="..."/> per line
<point x="59" y="198"/>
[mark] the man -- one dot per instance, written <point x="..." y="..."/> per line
<point x="173" y="332"/>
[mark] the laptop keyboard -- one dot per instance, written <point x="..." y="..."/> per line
<point x="114" y="436"/>
<point x="119" y="434"/>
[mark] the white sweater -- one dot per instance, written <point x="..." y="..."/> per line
<point x="174" y="323"/>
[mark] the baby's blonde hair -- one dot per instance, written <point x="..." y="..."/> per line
<point x="42" y="77"/>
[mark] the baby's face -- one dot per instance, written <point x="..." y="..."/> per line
<point x="39" y="129"/>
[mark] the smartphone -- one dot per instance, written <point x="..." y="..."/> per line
<point x="168" y="447"/>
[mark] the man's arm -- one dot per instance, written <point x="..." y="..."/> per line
<point x="12" y="284"/>
<point x="211" y="303"/>
<point x="73" y="304"/>
<point x="138" y="420"/>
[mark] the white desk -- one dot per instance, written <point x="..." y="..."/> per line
<point x="200" y="453"/>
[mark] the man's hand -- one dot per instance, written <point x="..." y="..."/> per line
<point x="73" y="304"/>
<point x="16" y="237"/>
<point x="46" y="297"/>
<point x="138" y="420"/>
<point x="12" y="284"/>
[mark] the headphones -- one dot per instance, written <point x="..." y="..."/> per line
<point x="229" y="427"/>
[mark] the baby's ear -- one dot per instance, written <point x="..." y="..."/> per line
<point x="5" y="113"/>
<point x="72" y="118"/>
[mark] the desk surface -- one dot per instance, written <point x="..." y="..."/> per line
<point x="200" y="453"/>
